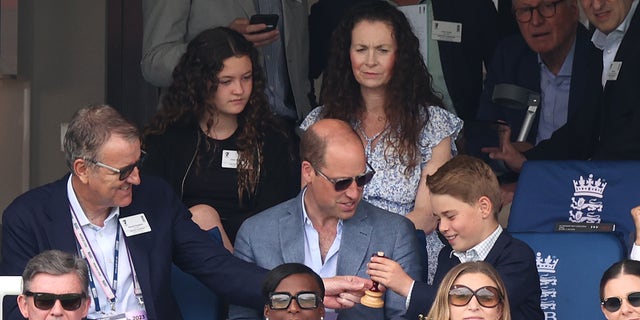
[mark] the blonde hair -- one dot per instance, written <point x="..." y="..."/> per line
<point x="441" y="309"/>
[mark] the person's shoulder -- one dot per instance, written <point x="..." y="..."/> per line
<point x="507" y="244"/>
<point x="37" y="200"/>
<point x="382" y="216"/>
<point x="275" y="212"/>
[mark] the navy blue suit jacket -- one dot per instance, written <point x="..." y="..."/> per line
<point x="515" y="63"/>
<point x="515" y="262"/>
<point x="40" y="220"/>
<point x="620" y="134"/>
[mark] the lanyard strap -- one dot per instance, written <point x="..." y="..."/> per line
<point x="96" y="270"/>
<point x="87" y="253"/>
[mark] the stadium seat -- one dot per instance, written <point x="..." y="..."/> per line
<point x="586" y="192"/>
<point x="570" y="266"/>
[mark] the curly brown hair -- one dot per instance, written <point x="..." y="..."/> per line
<point x="195" y="80"/>
<point x="408" y="93"/>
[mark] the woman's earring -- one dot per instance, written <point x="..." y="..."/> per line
<point x="321" y="318"/>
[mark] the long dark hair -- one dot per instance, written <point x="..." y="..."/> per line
<point x="195" y="80"/>
<point x="409" y="91"/>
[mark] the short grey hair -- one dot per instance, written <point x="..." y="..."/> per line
<point x="56" y="262"/>
<point x="89" y="130"/>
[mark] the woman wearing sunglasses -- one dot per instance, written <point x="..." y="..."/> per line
<point x="620" y="291"/>
<point x="215" y="140"/>
<point x="377" y="81"/>
<point x="471" y="290"/>
<point x="293" y="291"/>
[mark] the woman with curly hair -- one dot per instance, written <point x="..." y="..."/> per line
<point x="215" y="139"/>
<point x="376" y="80"/>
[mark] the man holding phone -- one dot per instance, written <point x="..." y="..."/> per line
<point x="169" y="25"/>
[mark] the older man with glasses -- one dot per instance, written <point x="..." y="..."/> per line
<point x="552" y="56"/>
<point x="55" y="285"/>
<point x="609" y="128"/>
<point x="327" y="226"/>
<point x="129" y="231"/>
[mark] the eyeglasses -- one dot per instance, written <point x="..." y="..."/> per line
<point x="282" y="300"/>
<point x="345" y="183"/>
<point x="545" y="9"/>
<point x="613" y="304"/>
<point x="488" y="296"/>
<point x="125" y="172"/>
<point x="46" y="301"/>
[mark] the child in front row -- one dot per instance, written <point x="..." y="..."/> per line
<point x="465" y="196"/>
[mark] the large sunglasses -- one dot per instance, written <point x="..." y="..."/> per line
<point x="282" y="300"/>
<point x="613" y="304"/>
<point x="344" y="183"/>
<point x="125" y="172"/>
<point x="46" y="301"/>
<point x="488" y="296"/>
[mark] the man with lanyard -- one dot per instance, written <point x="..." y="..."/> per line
<point x="130" y="231"/>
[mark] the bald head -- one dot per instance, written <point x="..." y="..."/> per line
<point x="327" y="134"/>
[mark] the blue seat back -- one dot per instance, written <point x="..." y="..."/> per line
<point x="576" y="191"/>
<point x="195" y="300"/>
<point x="570" y="266"/>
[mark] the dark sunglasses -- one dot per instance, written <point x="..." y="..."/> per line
<point x="46" y="301"/>
<point x="345" y="183"/>
<point x="125" y="172"/>
<point x="488" y="296"/>
<point x="613" y="304"/>
<point x="282" y="300"/>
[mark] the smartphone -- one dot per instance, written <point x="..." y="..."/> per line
<point x="271" y="20"/>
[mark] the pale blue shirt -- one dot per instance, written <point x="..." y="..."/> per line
<point x="609" y="43"/>
<point x="312" y="256"/>
<point x="555" y="96"/>
<point x="481" y="250"/>
<point x="102" y="240"/>
<point x="278" y="87"/>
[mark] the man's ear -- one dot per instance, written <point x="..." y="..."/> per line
<point x="306" y="172"/>
<point x="22" y="305"/>
<point x="485" y="206"/>
<point x="81" y="169"/>
<point x="266" y="311"/>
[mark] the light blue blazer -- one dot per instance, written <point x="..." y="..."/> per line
<point x="276" y="236"/>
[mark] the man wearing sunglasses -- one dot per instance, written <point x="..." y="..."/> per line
<point x="327" y="226"/>
<point x="54" y="285"/>
<point x="130" y="230"/>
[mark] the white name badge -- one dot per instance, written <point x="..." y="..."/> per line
<point x="229" y="159"/>
<point x="614" y="70"/>
<point x="135" y="225"/>
<point x="446" y="31"/>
